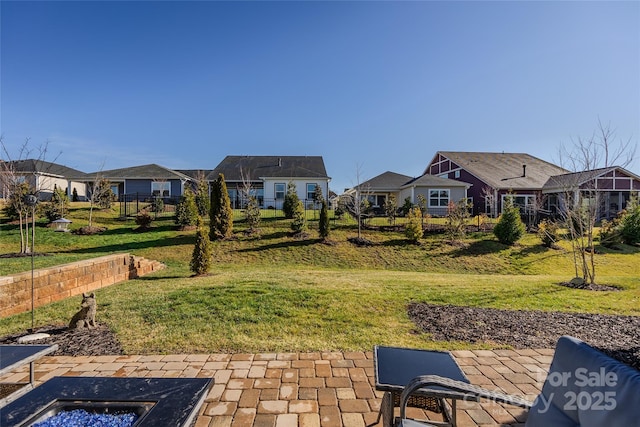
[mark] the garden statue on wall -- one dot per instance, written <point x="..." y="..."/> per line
<point x="86" y="316"/>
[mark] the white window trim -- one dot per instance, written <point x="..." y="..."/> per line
<point x="439" y="198"/>
<point x="165" y="185"/>
<point x="275" y="190"/>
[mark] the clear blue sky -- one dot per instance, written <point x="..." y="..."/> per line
<point x="370" y="86"/>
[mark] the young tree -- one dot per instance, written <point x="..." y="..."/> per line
<point x="291" y="200"/>
<point x="58" y="205"/>
<point x="18" y="189"/>
<point x="221" y="214"/>
<point x="581" y="202"/>
<point x="101" y="195"/>
<point x="252" y="208"/>
<point x="413" y="229"/>
<point x="187" y="210"/>
<point x="201" y="256"/>
<point x="252" y="215"/>
<point x="202" y="195"/>
<point x="510" y="227"/>
<point x="390" y="209"/>
<point x="323" y="227"/>
<point x="457" y="216"/>
<point x="357" y="203"/>
<point x="299" y="223"/>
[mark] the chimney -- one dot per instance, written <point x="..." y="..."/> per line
<point x="280" y="162"/>
<point x="524" y="170"/>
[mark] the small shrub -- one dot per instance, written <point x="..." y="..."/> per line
<point x="457" y="216"/>
<point x="157" y="205"/>
<point x="187" y="210"/>
<point x="299" y="223"/>
<point x="549" y="233"/>
<point x="510" y="227"/>
<point x="406" y="206"/>
<point x="290" y="201"/>
<point x="201" y="256"/>
<point x="610" y="232"/>
<point x="630" y="225"/>
<point x="221" y="214"/>
<point x="413" y="230"/>
<point x="252" y="215"/>
<point x="323" y="227"/>
<point x="143" y="220"/>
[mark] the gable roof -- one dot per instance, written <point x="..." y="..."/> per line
<point x="195" y="173"/>
<point x="391" y="181"/>
<point x="386" y="181"/>
<point x="151" y="171"/>
<point x="435" y="181"/>
<point x="46" y="168"/>
<point x="576" y="179"/>
<point x="254" y="168"/>
<point x="504" y="170"/>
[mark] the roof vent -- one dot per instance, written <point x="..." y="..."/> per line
<point x="280" y="162"/>
<point x="524" y="170"/>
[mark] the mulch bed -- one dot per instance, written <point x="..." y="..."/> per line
<point x="96" y="341"/>
<point x="618" y="336"/>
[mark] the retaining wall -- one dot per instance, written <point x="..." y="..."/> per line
<point x="63" y="281"/>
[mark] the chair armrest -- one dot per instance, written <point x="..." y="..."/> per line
<point x="423" y="381"/>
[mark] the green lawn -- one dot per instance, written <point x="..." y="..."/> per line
<point x="276" y="293"/>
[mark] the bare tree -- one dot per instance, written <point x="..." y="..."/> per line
<point x="20" y="188"/>
<point x="356" y="201"/>
<point x="581" y="199"/>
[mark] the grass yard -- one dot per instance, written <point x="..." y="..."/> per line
<point x="275" y="293"/>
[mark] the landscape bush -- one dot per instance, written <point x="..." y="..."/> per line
<point x="510" y="227"/>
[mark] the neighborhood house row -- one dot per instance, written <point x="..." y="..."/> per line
<point x="485" y="179"/>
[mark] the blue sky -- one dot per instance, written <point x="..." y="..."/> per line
<point x="370" y="86"/>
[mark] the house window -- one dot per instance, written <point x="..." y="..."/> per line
<point x="456" y="174"/>
<point x="444" y="175"/>
<point x="161" y="188"/>
<point x="280" y="189"/>
<point x="311" y="190"/>
<point x="523" y="201"/>
<point x="438" y="198"/>
<point x="114" y="189"/>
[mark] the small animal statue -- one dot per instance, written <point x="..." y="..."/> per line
<point x="86" y="316"/>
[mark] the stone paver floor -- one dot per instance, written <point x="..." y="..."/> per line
<point x="331" y="389"/>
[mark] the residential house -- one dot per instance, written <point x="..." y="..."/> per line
<point x="43" y="177"/>
<point x="145" y="182"/>
<point x="438" y="192"/>
<point x="267" y="178"/>
<point x="609" y="188"/>
<point x="494" y="177"/>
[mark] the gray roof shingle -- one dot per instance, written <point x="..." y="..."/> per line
<point x="505" y="170"/>
<point x="256" y="167"/>
<point x="47" y="168"/>
<point x="151" y="171"/>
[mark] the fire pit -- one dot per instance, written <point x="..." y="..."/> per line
<point x="145" y="401"/>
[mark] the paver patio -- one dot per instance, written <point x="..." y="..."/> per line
<point x="331" y="389"/>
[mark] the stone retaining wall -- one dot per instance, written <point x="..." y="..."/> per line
<point x="63" y="281"/>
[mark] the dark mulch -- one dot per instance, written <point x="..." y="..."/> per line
<point x="618" y="336"/>
<point x="96" y="341"/>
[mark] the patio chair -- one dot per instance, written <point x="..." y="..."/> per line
<point x="584" y="388"/>
<point x="469" y="389"/>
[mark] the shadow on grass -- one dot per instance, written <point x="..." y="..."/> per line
<point x="480" y="247"/>
<point x="127" y="246"/>
<point x="287" y="244"/>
